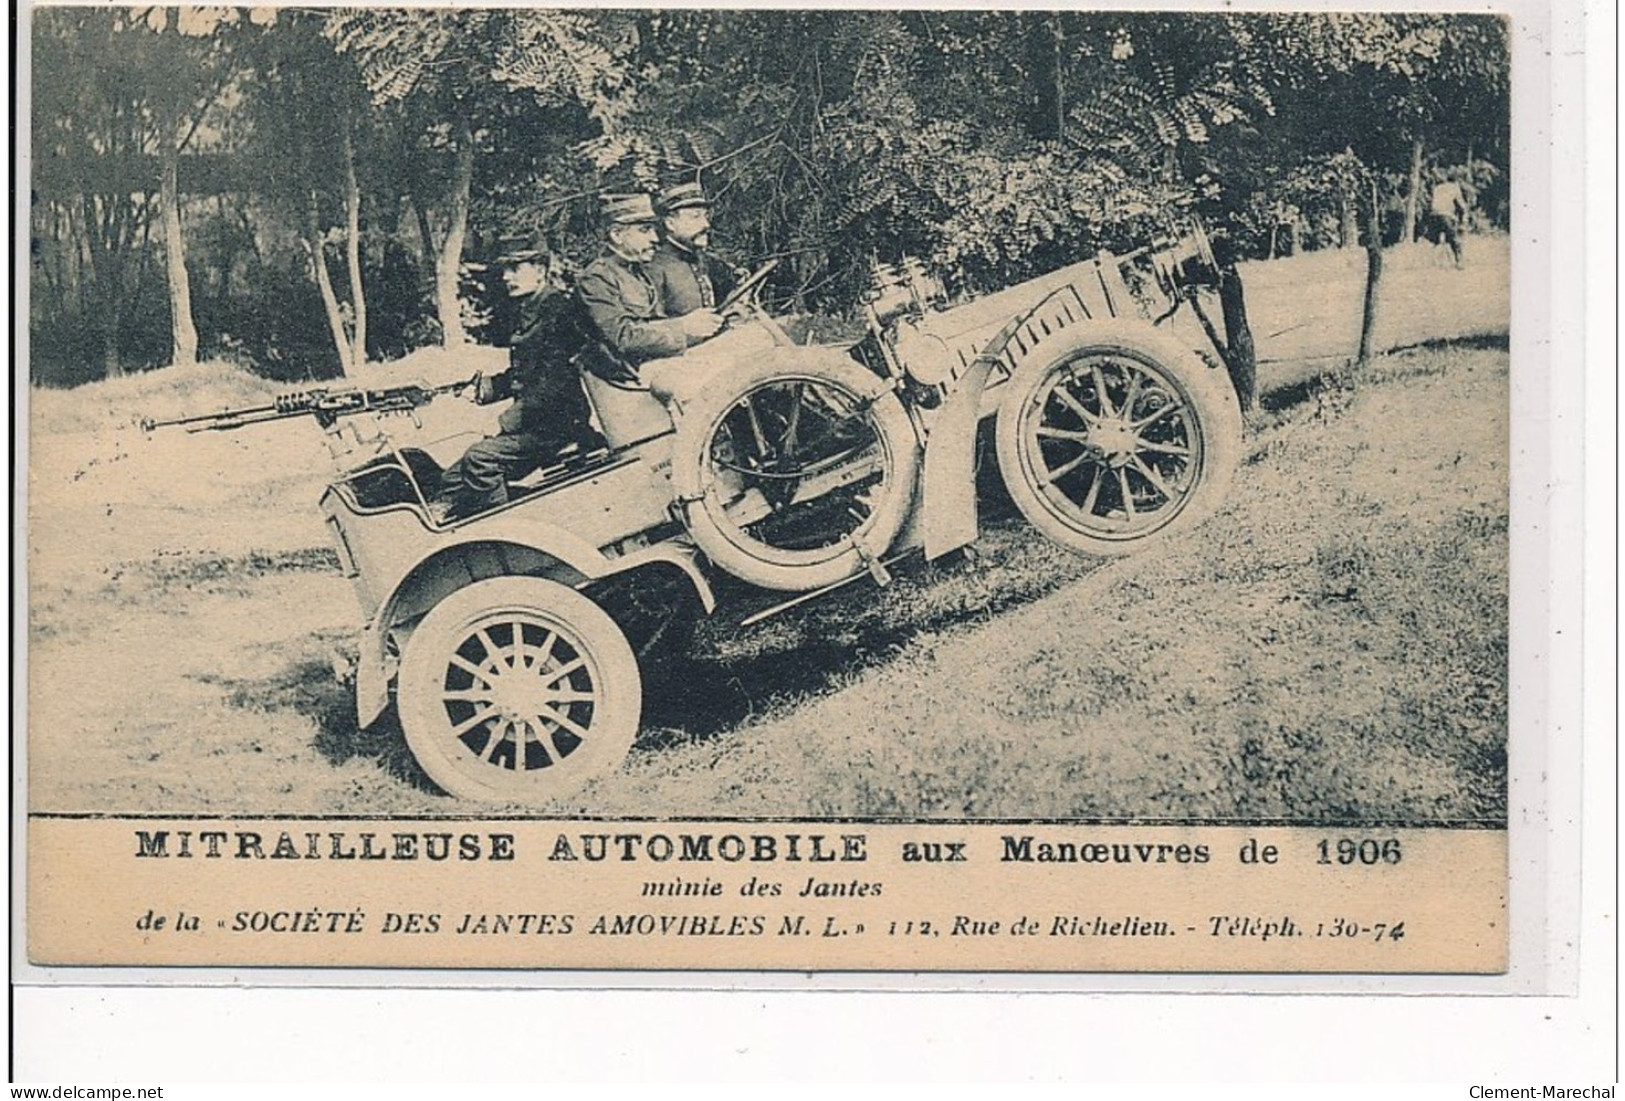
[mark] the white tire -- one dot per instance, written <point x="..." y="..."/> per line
<point x="1117" y="438"/>
<point x="517" y="690"/>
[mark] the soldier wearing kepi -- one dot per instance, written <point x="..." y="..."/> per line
<point x="623" y="303"/>
<point x="549" y="413"/>
<point x="686" y="275"/>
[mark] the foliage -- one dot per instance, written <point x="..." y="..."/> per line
<point x="993" y="144"/>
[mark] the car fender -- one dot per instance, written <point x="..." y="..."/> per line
<point x="497" y="549"/>
<point x="947" y="514"/>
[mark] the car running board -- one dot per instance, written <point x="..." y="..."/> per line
<point x="876" y="569"/>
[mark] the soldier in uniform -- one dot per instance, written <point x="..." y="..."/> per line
<point x="686" y="275"/>
<point x="1447" y="212"/>
<point x="549" y="413"/>
<point x="623" y="303"/>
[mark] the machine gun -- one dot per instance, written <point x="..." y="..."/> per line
<point x="326" y="404"/>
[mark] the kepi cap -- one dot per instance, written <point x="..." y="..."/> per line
<point x="630" y="209"/>
<point x="520" y="250"/>
<point x="683" y="196"/>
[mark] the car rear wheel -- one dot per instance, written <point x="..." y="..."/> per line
<point x="518" y="689"/>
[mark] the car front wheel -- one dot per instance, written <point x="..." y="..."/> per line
<point x="1117" y="438"/>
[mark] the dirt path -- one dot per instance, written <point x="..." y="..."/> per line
<point x="1326" y="645"/>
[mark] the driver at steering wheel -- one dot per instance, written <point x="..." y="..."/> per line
<point x="686" y="276"/>
<point x="622" y="301"/>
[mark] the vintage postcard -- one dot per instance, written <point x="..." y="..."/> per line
<point x="743" y="490"/>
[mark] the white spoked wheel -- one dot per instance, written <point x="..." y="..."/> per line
<point x="1118" y="439"/>
<point x="518" y="689"/>
<point x="795" y="471"/>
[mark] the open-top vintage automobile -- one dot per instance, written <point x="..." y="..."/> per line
<point x="509" y="640"/>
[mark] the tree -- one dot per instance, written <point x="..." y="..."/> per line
<point x="398" y="147"/>
<point x="95" y="131"/>
<point x="1393" y="85"/>
<point x="192" y="63"/>
<point x="447" y="67"/>
<point x="305" y="117"/>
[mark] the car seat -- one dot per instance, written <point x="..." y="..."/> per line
<point x="627" y="413"/>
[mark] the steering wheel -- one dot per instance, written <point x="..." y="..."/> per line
<point x="747" y="287"/>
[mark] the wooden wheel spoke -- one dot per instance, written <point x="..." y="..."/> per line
<point x="756" y="427"/>
<point x="479" y="716"/>
<point x="493" y="652"/>
<point x="553" y="676"/>
<point x="482" y="674"/>
<point x="1075" y="405"/>
<point x="1134" y="380"/>
<point x="499" y="732"/>
<point x="1050" y="477"/>
<point x="1093" y="495"/>
<point x="1143" y="444"/>
<point x="558" y="718"/>
<point x="573" y="695"/>
<point x="1107" y="409"/>
<point x="470" y="695"/>
<point x="1128" y="494"/>
<point x="545" y="654"/>
<point x="794" y="420"/>
<point x="549" y="739"/>
<point x="1150" y="474"/>
<point x="1049" y="431"/>
<point x="1152" y="418"/>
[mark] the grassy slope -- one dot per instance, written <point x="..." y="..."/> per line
<point x="1333" y="645"/>
<point x="1332" y="648"/>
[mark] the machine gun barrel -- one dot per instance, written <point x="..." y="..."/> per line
<point x="326" y="404"/>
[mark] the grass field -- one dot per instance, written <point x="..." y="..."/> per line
<point x="1332" y="646"/>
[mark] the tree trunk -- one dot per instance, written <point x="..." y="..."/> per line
<point x="110" y="275"/>
<point x="449" y="264"/>
<point x="183" y="331"/>
<point x="1242" y="359"/>
<point x="111" y="367"/>
<point x="1349" y="230"/>
<point x="1059" y="96"/>
<point x="425" y="236"/>
<point x="335" y="320"/>
<point x="1373" y="278"/>
<point x="1413" y="194"/>
<point x="352" y="251"/>
<point x="102" y="268"/>
<point x="1043" y="46"/>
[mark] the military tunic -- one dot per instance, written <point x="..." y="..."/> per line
<point x="541" y="376"/>
<point x="687" y="280"/>
<point x="625" y="308"/>
<point x="549" y="410"/>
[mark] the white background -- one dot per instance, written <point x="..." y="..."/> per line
<point x="145" y="1036"/>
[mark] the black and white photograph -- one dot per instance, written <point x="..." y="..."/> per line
<point x="909" y="415"/>
<point x="754" y="498"/>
